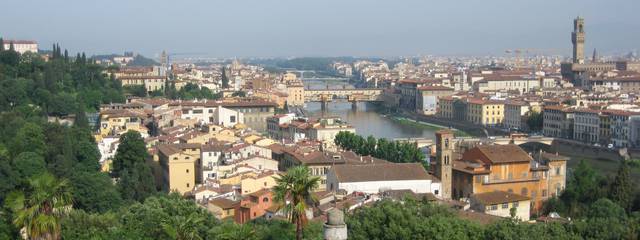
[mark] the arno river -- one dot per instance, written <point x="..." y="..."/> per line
<point x="365" y="119"/>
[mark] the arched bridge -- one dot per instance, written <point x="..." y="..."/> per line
<point x="351" y="95"/>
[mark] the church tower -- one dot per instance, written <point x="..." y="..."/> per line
<point x="577" y="38"/>
<point x="443" y="167"/>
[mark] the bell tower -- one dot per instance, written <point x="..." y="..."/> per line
<point x="443" y="168"/>
<point x="577" y="38"/>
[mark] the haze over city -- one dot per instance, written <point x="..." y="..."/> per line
<point x="321" y="28"/>
<point x="330" y="119"/>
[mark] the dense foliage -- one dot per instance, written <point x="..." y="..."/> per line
<point x="393" y="151"/>
<point x="190" y="91"/>
<point x="59" y="86"/>
<point x="142" y="61"/>
<point x="412" y="219"/>
<point x="534" y="121"/>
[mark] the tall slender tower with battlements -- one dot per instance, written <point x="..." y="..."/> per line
<point x="577" y="38"/>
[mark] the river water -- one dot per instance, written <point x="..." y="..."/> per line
<point x="365" y="119"/>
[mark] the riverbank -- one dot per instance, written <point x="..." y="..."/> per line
<point x="429" y="126"/>
<point x="409" y="120"/>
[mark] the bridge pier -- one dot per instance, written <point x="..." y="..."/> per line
<point x="323" y="105"/>
<point x="354" y="105"/>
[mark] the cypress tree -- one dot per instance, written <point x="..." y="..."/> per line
<point x="84" y="59"/>
<point x="225" y="79"/>
<point x="66" y="55"/>
<point x="59" y="51"/>
<point x="621" y="190"/>
<point x="1" y="44"/>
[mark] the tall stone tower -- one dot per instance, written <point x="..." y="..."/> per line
<point x="443" y="167"/>
<point x="577" y="38"/>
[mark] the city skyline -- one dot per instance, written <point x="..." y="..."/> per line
<point x="329" y="28"/>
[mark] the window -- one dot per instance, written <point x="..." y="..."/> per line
<point x="510" y="190"/>
<point x="187" y="170"/>
<point x="505" y="205"/>
<point x="478" y="179"/>
<point x="493" y="207"/>
<point x="524" y="191"/>
<point x="266" y="199"/>
<point x="515" y="204"/>
<point x="544" y="192"/>
<point x="557" y="170"/>
<point x="232" y="119"/>
<point x="534" y="193"/>
<point x="187" y="185"/>
<point x="197" y="111"/>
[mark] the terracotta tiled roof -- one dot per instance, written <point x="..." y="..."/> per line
<point x="498" y="197"/>
<point x="381" y="172"/>
<point x="504" y="153"/>
<point x="223" y="203"/>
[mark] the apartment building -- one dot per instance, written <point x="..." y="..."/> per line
<point x="515" y="113"/>
<point x="558" y="121"/>
<point x="508" y="168"/>
<point x="427" y="98"/>
<point x="21" y="46"/>
<point x="119" y="121"/>
<point x="485" y="111"/>
<point x="624" y="128"/>
<point x="254" y="111"/>
<point x="497" y="82"/>
<point x="500" y="203"/>
<point x="208" y="114"/>
<point x="295" y="93"/>
<point x="180" y="165"/>
<point x="586" y="126"/>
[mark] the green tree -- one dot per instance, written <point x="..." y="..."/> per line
<point x="239" y="94"/>
<point x="135" y="179"/>
<point x="621" y="189"/>
<point x="167" y="217"/>
<point x="131" y="150"/>
<point x="183" y="227"/>
<point x="136" y="90"/>
<point x="232" y="231"/>
<point x="94" y="192"/>
<point x="30" y="138"/>
<point x="534" y="121"/>
<point x="225" y="79"/>
<point x="295" y="188"/>
<point x="584" y="187"/>
<point x="40" y="208"/>
<point x="9" y="178"/>
<point x="409" y="219"/>
<point x="604" y="220"/>
<point x="81" y="120"/>
<point x="82" y="225"/>
<point x="29" y="164"/>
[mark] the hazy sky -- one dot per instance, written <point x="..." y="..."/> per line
<point x="322" y="27"/>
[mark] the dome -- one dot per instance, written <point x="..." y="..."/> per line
<point x="335" y="217"/>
